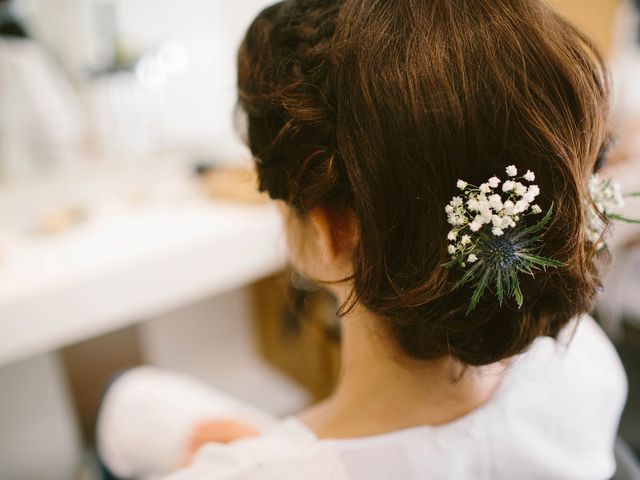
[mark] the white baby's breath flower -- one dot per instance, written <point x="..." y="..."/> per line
<point x="618" y="200"/>
<point x="529" y="176"/>
<point x="451" y="249"/>
<point x="466" y="239"/>
<point x="521" y="206"/>
<point x="512" y="171"/>
<point x="452" y="235"/>
<point x="534" y="190"/>
<point x="507" y="222"/>
<point x="520" y="189"/>
<point x="495" y="202"/>
<point x="472" y="258"/>
<point x="607" y="199"/>
<point x="457" y="220"/>
<point x="508" y="207"/>
<point x="486" y="214"/>
<point x="484" y="188"/>
<point x="508" y="186"/>
<point x="448" y="209"/>
<point x="476" y="224"/>
<point x="456" y="202"/>
<point x="497" y="231"/>
<point x="462" y="184"/>
<point x="536" y="209"/>
<point x="493" y="182"/>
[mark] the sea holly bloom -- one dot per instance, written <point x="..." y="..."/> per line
<point x="491" y="244"/>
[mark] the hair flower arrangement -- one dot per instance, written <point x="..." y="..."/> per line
<point x="489" y="239"/>
<point x="607" y="198"/>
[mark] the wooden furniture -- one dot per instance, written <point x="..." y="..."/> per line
<point x="298" y="332"/>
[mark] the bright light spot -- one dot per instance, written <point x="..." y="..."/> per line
<point x="150" y="72"/>
<point x="173" y="56"/>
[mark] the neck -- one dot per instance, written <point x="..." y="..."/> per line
<point x="381" y="390"/>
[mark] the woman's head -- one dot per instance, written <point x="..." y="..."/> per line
<point x="369" y="111"/>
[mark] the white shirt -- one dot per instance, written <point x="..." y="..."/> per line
<point x="554" y="416"/>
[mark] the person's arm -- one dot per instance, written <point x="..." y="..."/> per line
<point x="216" y="431"/>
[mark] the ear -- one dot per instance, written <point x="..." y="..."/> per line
<point x="337" y="232"/>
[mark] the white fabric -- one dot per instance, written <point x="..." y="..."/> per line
<point x="554" y="416"/>
<point x="147" y="415"/>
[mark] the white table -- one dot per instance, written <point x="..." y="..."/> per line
<point x="127" y="264"/>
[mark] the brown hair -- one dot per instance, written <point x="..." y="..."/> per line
<point x="380" y="106"/>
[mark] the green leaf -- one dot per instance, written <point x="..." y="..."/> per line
<point x="614" y="216"/>
<point x="528" y="269"/>
<point x="517" y="293"/>
<point x="535" y="228"/>
<point x="507" y="283"/>
<point x="450" y="263"/>
<point x="542" y="261"/>
<point x="469" y="274"/>
<point x="499" y="288"/>
<point x="479" y="291"/>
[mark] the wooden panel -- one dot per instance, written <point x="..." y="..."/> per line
<point x="89" y="367"/>
<point x="594" y="17"/>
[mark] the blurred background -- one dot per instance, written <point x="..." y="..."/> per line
<point x="131" y="233"/>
